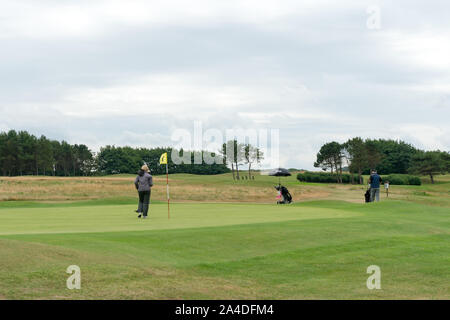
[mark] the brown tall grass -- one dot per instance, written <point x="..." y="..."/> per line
<point x="89" y="188"/>
<point x="193" y="188"/>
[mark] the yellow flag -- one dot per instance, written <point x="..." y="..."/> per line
<point x="163" y="159"/>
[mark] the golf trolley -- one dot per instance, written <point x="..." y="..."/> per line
<point x="283" y="195"/>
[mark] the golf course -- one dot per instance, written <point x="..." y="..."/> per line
<point x="225" y="239"/>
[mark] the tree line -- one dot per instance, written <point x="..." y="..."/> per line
<point x="22" y="153"/>
<point x="116" y="160"/>
<point x="386" y="156"/>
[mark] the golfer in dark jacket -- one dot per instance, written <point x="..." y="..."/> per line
<point x="143" y="183"/>
<point x="375" y="181"/>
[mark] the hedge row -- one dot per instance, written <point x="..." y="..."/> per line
<point x="402" y="179"/>
<point x="325" y="177"/>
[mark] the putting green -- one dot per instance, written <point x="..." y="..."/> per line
<point x="105" y="218"/>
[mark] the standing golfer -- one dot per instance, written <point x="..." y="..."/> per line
<point x="386" y="187"/>
<point x="374" y="181"/>
<point x="143" y="183"/>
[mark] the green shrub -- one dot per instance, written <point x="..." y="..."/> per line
<point x="325" y="177"/>
<point x="414" y="180"/>
<point x="402" y="179"/>
<point x="395" y="180"/>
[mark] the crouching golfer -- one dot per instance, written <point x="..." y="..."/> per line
<point x="143" y="183"/>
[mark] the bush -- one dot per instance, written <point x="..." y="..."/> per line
<point x="402" y="179"/>
<point x="325" y="177"/>
<point x="414" y="180"/>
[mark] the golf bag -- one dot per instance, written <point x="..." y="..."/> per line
<point x="285" y="195"/>
<point x="367" y="195"/>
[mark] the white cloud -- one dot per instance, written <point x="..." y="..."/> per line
<point x="130" y="72"/>
<point x="175" y="94"/>
<point x="53" y="19"/>
<point x="425" y="136"/>
<point x="426" y="49"/>
<point x="4" y="127"/>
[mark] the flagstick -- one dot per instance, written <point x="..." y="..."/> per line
<point x="168" y="197"/>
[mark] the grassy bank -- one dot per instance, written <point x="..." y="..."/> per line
<point x="218" y="188"/>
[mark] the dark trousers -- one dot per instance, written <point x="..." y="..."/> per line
<point x="144" y="201"/>
<point x="374" y="194"/>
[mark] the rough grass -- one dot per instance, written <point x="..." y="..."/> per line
<point x="218" y="188"/>
<point x="317" y="249"/>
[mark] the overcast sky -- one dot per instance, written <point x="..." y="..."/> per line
<point x="130" y="72"/>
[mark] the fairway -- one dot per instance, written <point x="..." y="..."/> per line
<point x="310" y="250"/>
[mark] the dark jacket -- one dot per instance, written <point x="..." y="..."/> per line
<point x="144" y="181"/>
<point x="375" y="181"/>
